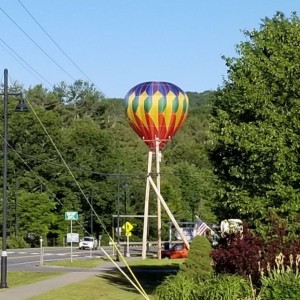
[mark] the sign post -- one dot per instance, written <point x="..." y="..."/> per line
<point x="128" y="227"/>
<point x="41" y="251"/>
<point x="72" y="215"/>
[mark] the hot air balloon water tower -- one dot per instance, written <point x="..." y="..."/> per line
<point x="156" y="110"/>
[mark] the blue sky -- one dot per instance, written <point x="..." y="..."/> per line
<point x="119" y="43"/>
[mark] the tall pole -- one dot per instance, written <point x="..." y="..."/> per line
<point x="118" y="218"/>
<point x="16" y="208"/>
<point x="146" y="207"/>
<point x="125" y="197"/>
<point x="92" y="227"/>
<point x="158" y="157"/>
<point x="4" y="230"/>
<point x="20" y="107"/>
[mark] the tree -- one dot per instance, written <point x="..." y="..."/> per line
<point x="255" y="126"/>
<point x="37" y="211"/>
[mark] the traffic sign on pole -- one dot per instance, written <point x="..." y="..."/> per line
<point x="71" y="215"/>
<point x="127" y="227"/>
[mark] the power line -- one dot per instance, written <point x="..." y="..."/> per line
<point x="105" y="174"/>
<point x="57" y="45"/>
<point x="27" y="64"/>
<point x="37" y="45"/>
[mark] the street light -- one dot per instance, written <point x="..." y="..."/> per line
<point x="125" y="196"/>
<point x="118" y="218"/>
<point x="21" y="107"/>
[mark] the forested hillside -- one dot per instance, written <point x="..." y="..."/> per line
<point x="75" y="147"/>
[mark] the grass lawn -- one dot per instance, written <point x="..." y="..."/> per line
<point x="77" y="263"/>
<point x="114" y="286"/>
<point x="17" y="278"/>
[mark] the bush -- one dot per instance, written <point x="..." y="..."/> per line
<point x="15" y="242"/>
<point x="198" y="263"/>
<point x="226" y="287"/>
<point x="221" y="287"/>
<point x="280" y="286"/>
<point x="239" y="256"/>
<point x="178" y="286"/>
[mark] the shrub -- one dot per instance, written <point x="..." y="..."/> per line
<point x="281" y="282"/>
<point x="15" y="242"/>
<point x="226" y="287"/>
<point x="178" y="286"/>
<point x="198" y="263"/>
<point x="239" y="256"/>
<point x="221" y="287"/>
<point x="280" y="286"/>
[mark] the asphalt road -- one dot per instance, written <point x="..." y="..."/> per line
<point x="31" y="258"/>
<point x="26" y="259"/>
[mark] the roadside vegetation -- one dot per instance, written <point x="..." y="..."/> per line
<point x="113" y="285"/>
<point x="77" y="263"/>
<point x="237" y="156"/>
<point x="239" y="268"/>
<point x="18" y="278"/>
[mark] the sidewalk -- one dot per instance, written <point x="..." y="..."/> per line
<point x="41" y="287"/>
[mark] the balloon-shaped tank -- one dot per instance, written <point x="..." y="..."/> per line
<point x="156" y="110"/>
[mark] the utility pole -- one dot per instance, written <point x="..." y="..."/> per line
<point x="118" y="218"/>
<point x="92" y="223"/>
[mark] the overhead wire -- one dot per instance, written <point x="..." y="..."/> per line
<point x="26" y="63"/>
<point x="42" y="182"/>
<point x="57" y="45"/>
<point x="141" y="290"/>
<point x="105" y="174"/>
<point x="37" y="45"/>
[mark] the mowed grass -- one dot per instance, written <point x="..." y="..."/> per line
<point x="77" y="263"/>
<point x="17" y="278"/>
<point x="95" y="288"/>
<point x="115" y="286"/>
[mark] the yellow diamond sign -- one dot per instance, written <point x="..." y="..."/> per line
<point x="127" y="227"/>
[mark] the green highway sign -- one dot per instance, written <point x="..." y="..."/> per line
<point x="71" y="215"/>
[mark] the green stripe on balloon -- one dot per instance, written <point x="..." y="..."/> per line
<point x="148" y="104"/>
<point x="185" y="105"/>
<point x="162" y="103"/>
<point x="135" y="104"/>
<point x="175" y="104"/>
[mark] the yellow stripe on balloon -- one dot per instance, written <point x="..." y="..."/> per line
<point x="141" y="111"/>
<point x="130" y="113"/>
<point x="180" y="109"/>
<point x="168" y="110"/>
<point x="154" y="108"/>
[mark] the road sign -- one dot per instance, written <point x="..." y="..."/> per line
<point x="127" y="227"/>
<point x="128" y="234"/>
<point x="72" y="237"/>
<point x="71" y="215"/>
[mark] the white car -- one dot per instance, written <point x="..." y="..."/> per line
<point x="88" y="242"/>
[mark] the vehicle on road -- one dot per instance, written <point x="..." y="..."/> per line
<point x="176" y="251"/>
<point x="88" y="242"/>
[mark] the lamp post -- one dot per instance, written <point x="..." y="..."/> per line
<point x="118" y="218"/>
<point x="125" y="196"/>
<point x="20" y="107"/>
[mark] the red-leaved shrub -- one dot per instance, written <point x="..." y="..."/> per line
<point x="249" y="255"/>
<point x="239" y="255"/>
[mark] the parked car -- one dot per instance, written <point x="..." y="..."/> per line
<point x="88" y="242"/>
<point x="176" y="251"/>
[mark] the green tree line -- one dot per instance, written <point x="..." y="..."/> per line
<point x="236" y="156"/>
<point x="75" y="149"/>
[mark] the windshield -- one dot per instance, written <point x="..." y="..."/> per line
<point x="87" y="239"/>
